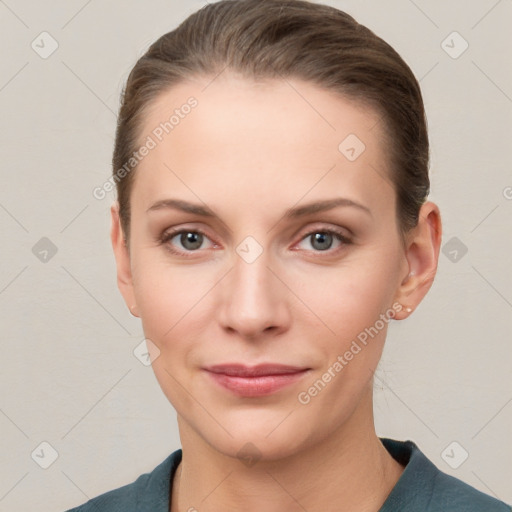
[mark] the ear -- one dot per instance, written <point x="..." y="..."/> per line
<point x="422" y="253"/>
<point x="122" y="257"/>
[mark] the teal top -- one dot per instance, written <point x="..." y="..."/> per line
<point x="421" y="488"/>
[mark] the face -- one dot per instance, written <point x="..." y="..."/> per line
<point x="250" y="274"/>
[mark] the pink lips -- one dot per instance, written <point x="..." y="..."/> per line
<point x="252" y="381"/>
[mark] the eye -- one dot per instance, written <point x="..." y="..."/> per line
<point x="322" y="239"/>
<point x="190" y="240"/>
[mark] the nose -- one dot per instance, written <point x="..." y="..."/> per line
<point x="254" y="300"/>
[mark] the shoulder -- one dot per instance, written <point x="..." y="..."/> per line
<point x="149" y="492"/>
<point x="423" y="487"/>
<point x="450" y="493"/>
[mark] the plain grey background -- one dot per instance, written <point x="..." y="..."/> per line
<point x="69" y="377"/>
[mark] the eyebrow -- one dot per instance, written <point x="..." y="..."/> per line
<point x="291" y="213"/>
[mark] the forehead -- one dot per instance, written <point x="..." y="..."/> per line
<point x="215" y="136"/>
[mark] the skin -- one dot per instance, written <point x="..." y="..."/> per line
<point x="250" y="151"/>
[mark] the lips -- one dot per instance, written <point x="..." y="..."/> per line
<point x="255" y="381"/>
<point x="241" y="370"/>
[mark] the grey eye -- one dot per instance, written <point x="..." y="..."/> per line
<point x="190" y="240"/>
<point x="321" y="241"/>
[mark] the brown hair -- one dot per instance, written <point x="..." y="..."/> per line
<point x="265" y="39"/>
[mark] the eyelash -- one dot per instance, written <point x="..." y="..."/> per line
<point x="338" y="234"/>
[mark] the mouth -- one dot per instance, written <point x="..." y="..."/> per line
<point x="254" y="381"/>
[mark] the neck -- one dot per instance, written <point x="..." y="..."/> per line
<point x="349" y="471"/>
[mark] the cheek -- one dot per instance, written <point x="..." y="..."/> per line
<point x="354" y="305"/>
<point x="349" y="298"/>
<point x="172" y="303"/>
<point x="168" y="296"/>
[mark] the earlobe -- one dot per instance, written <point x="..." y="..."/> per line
<point x="422" y="253"/>
<point x="123" y="263"/>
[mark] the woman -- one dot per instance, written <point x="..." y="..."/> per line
<point x="271" y="164"/>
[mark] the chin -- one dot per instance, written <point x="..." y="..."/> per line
<point x="259" y="439"/>
<point x="251" y="450"/>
